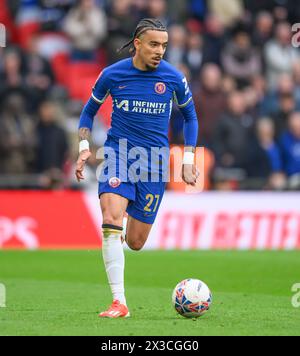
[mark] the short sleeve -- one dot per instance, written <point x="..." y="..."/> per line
<point x="101" y="88"/>
<point x="182" y="93"/>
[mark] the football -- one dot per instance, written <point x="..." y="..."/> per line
<point x="191" y="298"/>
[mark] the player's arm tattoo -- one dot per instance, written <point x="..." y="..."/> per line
<point x="84" y="133"/>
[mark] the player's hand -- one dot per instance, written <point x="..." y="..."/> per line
<point x="83" y="157"/>
<point x="190" y="174"/>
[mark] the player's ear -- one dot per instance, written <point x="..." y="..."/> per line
<point x="137" y="43"/>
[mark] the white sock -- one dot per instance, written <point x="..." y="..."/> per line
<point x="123" y="236"/>
<point x="114" y="261"/>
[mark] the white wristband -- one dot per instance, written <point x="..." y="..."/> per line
<point x="84" y="145"/>
<point x="188" y="158"/>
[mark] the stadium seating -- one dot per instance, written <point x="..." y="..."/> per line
<point x="26" y="31"/>
<point x="81" y="78"/>
<point x="7" y="21"/>
<point x="60" y="65"/>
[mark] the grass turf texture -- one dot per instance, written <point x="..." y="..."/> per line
<point x="61" y="293"/>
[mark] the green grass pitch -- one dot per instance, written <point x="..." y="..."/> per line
<point x="61" y="293"/>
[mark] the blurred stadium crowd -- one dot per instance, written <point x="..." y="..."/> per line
<point x="238" y="56"/>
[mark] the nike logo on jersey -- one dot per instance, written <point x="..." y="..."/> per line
<point x="122" y="87"/>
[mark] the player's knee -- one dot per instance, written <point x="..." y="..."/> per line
<point x="136" y="244"/>
<point x="112" y="220"/>
<point x="112" y="217"/>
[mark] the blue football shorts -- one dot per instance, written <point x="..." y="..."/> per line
<point x="144" y="196"/>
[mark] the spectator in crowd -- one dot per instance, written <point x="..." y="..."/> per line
<point x="258" y="88"/>
<point x="139" y="8"/>
<point x="17" y="136"/>
<point x="12" y="75"/>
<point x="251" y="99"/>
<point x="214" y="39"/>
<point x="279" y="54"/>
<point x="177" y="45"/>
<point x="265" y="131"/>
<point x="257" y="167"/>
<point x="280" y="13"/>
<point x="240" y="59"/>
<point x="120" y="28"/>
<point x="228" y="11"/>
<point x="158" y="9"/>
<point x="285" y="87"/>
<point x="86" y="26"/>
<point x="263" y="29"/>
<point x="287" y="106"/>
<point x="39" y="75"/>
<point x="290" y="145"/>
<point x="233" y="133"/>
<point x="228" y="84"/>
<point x="52" y="148"/>
<point x="194" y="53"/>
<point x="210" y="101"/>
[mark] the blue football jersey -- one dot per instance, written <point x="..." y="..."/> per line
<point x="142" y="101"/>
